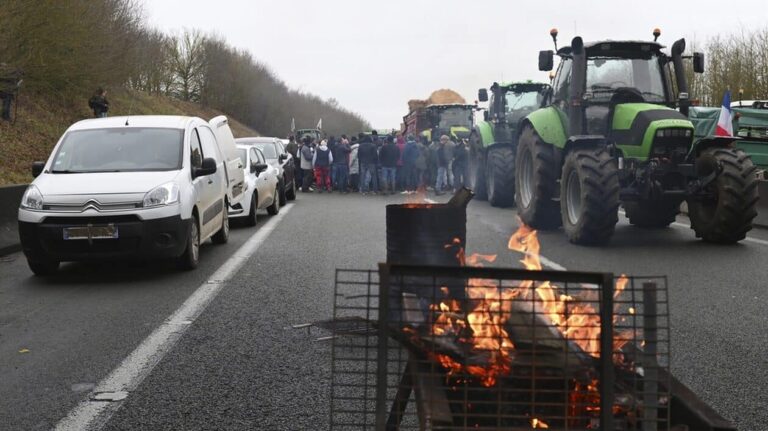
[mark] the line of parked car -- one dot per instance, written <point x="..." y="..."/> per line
<point x="148" y="187"/>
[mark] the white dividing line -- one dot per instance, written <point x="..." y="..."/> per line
<point x="688" y="226"/>
<point x="110" y="393"/>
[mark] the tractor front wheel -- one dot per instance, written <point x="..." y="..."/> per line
<point x="500" y="176"/>
<point x="589" y="196"/>
<point x="536" y="182"/>
<point x="726" y="215"/>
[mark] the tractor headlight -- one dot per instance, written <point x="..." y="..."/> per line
<point x="165" y="194"/>
<point x="32" y="199"/>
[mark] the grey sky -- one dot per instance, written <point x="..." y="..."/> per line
<point x="373" y="56"/>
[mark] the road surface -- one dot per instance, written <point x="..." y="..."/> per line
<point x="232" y="361"/>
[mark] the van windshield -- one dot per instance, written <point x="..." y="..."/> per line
<point x="119" y="150"/>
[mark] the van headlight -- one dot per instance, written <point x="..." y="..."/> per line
<point x="32" y="198"/>
<point x="165" y="194"/>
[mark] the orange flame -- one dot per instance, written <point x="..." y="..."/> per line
<point x="537" y="423"/>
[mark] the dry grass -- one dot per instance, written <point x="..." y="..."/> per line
<point x="42" y="120"/>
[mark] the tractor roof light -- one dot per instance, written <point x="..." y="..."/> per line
<point x="656" y="34"/>
<point x="553" y="33"/>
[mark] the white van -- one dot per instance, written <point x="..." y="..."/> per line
<point x="121" y="187"/>
<point x="234" y="165"/>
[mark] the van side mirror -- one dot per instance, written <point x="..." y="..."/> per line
<point x="482" y="95"/>
<point x="37" y="168"/>
<point x="208" y="167"/>
<point x="258" y="168"/>
<point x="698" y="62"/>
<point x="546" y="60"/>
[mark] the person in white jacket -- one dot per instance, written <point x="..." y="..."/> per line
<point x="354" y="165"/>
<point x="307" y="154"/>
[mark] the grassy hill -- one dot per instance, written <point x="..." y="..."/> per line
<point x="42" y="120"/>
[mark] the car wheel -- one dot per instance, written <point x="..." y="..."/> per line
<point x="275" y="207"/>
<point x="222" y="236"/>
<point x="43" y="267"/>
<point x="252" y="217"/>
<point x="291" y="193"/>
<point x="191" y="256"/>
<point x="281" y="192"/>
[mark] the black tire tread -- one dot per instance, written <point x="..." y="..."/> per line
<point x="501" y="171"/>
<point x="737" y="198"/>
<point x="600" y="196"/>
<point x="544" y="211"/>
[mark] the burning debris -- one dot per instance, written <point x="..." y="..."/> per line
<point x="477" y="347"/>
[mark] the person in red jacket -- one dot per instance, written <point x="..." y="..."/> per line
<point x="322" y="162"/>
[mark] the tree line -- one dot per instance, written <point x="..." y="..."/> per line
<point x="67" y="48"/>
<point x="737" y="61"/>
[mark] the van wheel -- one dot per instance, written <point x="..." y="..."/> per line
<point x="222" y="236"/>
<point x="191" y="256"/>
<point x="252" y="218"/>
<point x="281" y="193"/>
<point x="275" y="207"/>
<point x="43" y="267"/>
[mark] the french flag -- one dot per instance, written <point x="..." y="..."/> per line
<point x="725" y="122"/>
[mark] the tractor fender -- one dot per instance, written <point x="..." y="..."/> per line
<point x="484" y="131"/>
<point x="711" y="141"/>
<point x="549" y="125"/>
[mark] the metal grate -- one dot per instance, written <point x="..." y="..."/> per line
<point x="456" y="348"/>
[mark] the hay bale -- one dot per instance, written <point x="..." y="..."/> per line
<point x="445" y="96"/>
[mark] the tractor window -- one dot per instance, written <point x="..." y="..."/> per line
<point x="562" y="81"/>
<point x="605" y="75"/>
<point x="517" y="101"/>
<point x="455" y="117"/>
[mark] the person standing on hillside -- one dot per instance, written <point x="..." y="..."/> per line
<point x="306" y="154"/>
<point x="322" y="161"/>
<point x="389" y="156"/>
<point x="99" y="103"/>
<point x="10" y="79"/>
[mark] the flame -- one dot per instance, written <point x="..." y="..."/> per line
<point x="537" y="423"/>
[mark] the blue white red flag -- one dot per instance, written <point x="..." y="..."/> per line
<point x="725" y="122"/>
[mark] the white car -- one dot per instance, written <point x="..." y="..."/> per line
<point x="260" y="185"/>
<point x="127" y="187"/>
<point x="278" y="157"/>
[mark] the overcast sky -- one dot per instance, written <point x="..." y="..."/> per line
<point x="373" y="56"/>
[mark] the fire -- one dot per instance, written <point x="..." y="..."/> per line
<point x="418" y="199"/>
<point x="537" y="423"/>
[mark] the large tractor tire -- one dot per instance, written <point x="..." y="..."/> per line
<point x="727" y="216"/>
<point x="500" y="176"/>
<point x="589" y="196"/>
<point x="536" y="176"/>
<point x="476" y="175"/>
<point x="652" y="214"/>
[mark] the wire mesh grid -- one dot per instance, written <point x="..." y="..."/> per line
<point x="489" y="348"/>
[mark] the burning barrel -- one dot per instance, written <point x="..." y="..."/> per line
<point x="426" y="233"/>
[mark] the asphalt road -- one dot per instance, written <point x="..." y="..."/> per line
<point x="240" y="366"/>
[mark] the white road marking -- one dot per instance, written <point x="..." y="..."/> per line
<point x="688" y="226"/>
<point x="94" y="412"/>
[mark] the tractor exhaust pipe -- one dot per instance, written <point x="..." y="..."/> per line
<point x="682" y="85"/>
<point x="578" y="84"/>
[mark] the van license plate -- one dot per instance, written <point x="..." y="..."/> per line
<point x="91" y="232"/>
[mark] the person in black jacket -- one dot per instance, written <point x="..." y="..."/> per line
<point x="388" y="157"/>
<point x="340" y="168"/>
<point x="99" y="103"/>
<point x="460" y="164"/>
<point x="369" y="158"/>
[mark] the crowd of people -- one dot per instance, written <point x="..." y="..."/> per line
<point x="379" y="164"/>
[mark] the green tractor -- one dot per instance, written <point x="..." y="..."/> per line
<point x="493" y="141"/>
<point x="615" y="131"/>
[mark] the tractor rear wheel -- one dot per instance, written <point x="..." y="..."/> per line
<point x="477" y="167"/>
<point x="536" y="182"/>
<point x="589" y="196"/>
<point x="500" y="176"/>
<point x="727" y="215"/>
<point x="652" y="214"/>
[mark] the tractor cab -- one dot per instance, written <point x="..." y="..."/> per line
<point x="510" y="103"/>
<point x="455" y="120"/>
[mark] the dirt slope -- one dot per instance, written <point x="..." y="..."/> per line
<point x="41" y="121"/>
